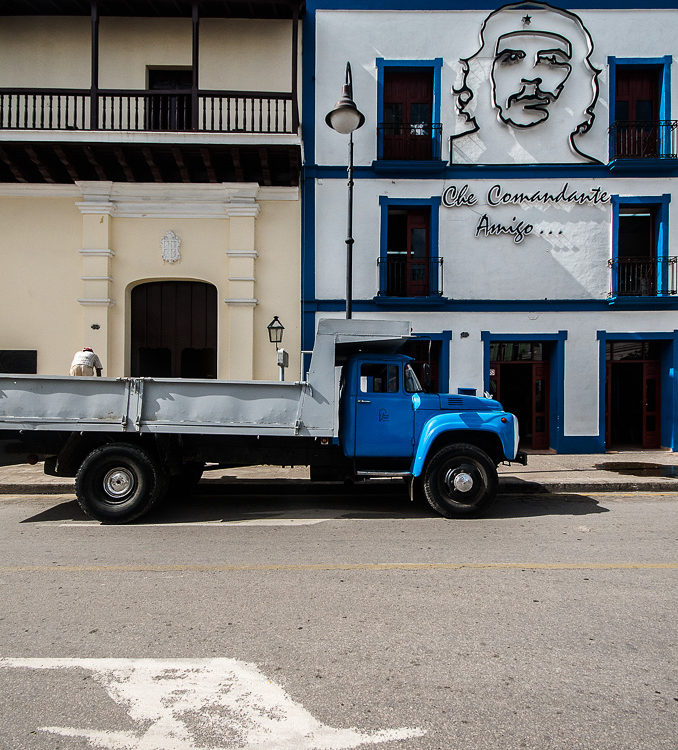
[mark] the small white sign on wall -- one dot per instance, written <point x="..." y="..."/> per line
<point x="170" y="245"/>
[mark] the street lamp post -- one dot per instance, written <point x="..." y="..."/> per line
<point x="345" y="118"/>
<point x="275" y="334"/>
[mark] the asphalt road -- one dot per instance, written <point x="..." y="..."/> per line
<point x="273" y="618"/>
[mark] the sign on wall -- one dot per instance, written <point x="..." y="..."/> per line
<point x="498" y="195"/>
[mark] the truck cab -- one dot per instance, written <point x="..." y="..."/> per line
<point x="448" y="445"/>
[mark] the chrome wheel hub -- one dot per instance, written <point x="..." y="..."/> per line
<point x="459" y="481"/>
<point x="118" y="483"/>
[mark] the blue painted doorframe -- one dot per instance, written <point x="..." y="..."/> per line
<point x="669" y="381"/>
<point x="558" y="442"/>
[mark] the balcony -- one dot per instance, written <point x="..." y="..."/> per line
<point x="414" y="141"/>
<point x="411" y="277"/>
<point x="169" y="131"/>
<point x="65" y="135"/>
<point x="643" y="277"/>
<point x="644" y="140"/>
<point x="134" y="111"/>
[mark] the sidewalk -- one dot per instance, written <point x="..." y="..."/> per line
<point x="647" y="471"/>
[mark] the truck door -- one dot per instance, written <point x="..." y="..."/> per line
<point x="384" y="415"/>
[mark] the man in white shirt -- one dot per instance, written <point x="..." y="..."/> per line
<point x="86" y="362"/>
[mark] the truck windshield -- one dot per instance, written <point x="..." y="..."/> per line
<point x="412" y="384"/>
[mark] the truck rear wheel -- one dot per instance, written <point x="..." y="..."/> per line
<point x="460" y="481"/>
<point x="118" y="483"/>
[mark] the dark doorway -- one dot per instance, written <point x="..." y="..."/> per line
<point x="519" y="379"/>
<point x="171" y="107"/>
<point x="408" y="255"/>
<point x="637" y="113"/>
<point x="174" y="330"/>
<point x="637" y="251"/>
<point x="633" y="390"/>
<point x="408" y="114"/>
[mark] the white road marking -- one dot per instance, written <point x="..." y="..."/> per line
<point x="176" y="702"/>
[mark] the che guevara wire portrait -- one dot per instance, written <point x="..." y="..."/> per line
<point x="529" y="91"/>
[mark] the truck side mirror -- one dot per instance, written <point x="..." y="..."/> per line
<point x="426" y="371"/>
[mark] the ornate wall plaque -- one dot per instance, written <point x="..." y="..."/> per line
<point x="170" y="245"/>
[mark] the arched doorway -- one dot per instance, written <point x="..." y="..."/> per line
<point x="174" y="330"/>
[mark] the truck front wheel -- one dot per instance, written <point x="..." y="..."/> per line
<point x="460" y="481"/>
<point x="117" y="483"/>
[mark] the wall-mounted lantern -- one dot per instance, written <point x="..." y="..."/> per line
<point x="275" y="334"/>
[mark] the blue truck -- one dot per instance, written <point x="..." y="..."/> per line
<point x="360" y="413"/>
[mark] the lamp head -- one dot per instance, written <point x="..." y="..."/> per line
<point x="275" y="331"/>
<point x="345" y="117"/>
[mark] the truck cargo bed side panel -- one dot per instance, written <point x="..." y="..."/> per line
<point x="266" y="408"/>
<point x="63" y="403"/>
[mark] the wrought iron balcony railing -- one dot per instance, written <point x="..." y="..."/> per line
<point x="413" y="141"/>
<point x="411" y="277"/>
<point x="643" y="277"/>
<point x="644" y="140"/>
<point x="124" y="110"/>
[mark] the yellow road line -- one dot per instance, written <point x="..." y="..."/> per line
<point x="311" y="567"/>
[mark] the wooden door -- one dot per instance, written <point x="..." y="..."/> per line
<point x="408" y="115"/>
<point x="418" y="257"/>
<point x="540" y="399"/>
<point x="523" y="389"/>
<point x="633" y="408"/>
<point x="637" y="113"/>
<point x="174" y="330"/>
<point x="651" y="407"/>
<point x="608" y="404"/>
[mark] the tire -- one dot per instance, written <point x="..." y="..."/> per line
<point x="118" y="483"/>
<point x="460" y="481"/>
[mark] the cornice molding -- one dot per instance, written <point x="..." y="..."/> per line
<point x="242" y="253"/>
<point x="96" y="207"/>
<point x="243" y="301"/>
<point x="174" y="200"/>
<point x="97" y="196"/>
<point x="97" y="252"/>
<point x="96" y="302"/>
<point x="30" y="190"/>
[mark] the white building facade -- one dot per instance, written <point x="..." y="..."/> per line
<point x="513" y="199"/>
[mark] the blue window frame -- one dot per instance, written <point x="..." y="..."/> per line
<point x="659" y="283"/>
<point x="435" y="282"/>
<point x="435" y="65"/>
<point x="663" y="67"/>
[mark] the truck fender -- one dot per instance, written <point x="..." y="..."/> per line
<point x="501" y="423"/>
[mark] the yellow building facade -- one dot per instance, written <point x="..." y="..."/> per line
<point x="149" y="199"/>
